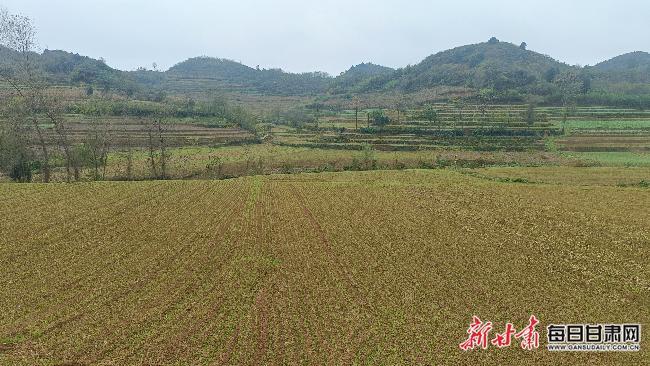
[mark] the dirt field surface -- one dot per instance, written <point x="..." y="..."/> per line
<point x="565" y="175"/>
<point x="325" y="269"/>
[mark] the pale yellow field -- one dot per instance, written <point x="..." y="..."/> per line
<point x="570" y="175"/>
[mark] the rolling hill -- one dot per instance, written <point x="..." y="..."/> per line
<point x="66" y="68"/>
<point x="359" y="77"/>
<point x="630" y="61"/>
<point x="505" y="68"/>
<point x="228" y="74"/>
<point x="493" y="64"/>
<point x="633" y="67"/>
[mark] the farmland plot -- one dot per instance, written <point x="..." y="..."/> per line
<point x="370" y="268"/>
<point x="562" y="175"/>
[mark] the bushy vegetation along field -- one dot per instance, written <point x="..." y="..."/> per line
<point x="367" y="268"/>
<point x="241" y="160"/>
<point x="119" y="139"/>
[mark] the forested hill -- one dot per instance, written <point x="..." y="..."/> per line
<point x="359" y="77"/>
<point x="512" y="73"/>
<point x="493" y="64"/>
<point x="629" y="61"/>
<point x="60" y="67"/>
<point x="201" y="74"/>
<point x="497" y="65"/>
<point x="631" y="68"/>
<point x="213" y="68"/>
<point x="231" y="74"/>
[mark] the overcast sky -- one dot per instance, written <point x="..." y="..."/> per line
<point x="331" y="35"/>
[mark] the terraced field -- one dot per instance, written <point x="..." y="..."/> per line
<point x="341" y="268"/>
<point x="495" y="135"/>
<point x="482" y="128"/>
<point x="125" y="131"/>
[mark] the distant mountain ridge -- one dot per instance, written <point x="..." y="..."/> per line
<point x="494" y="65"/>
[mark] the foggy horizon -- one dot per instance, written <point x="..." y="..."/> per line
<point x="329" y="38"/>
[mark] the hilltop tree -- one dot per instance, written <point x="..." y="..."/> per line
<point x="523" y="45"/>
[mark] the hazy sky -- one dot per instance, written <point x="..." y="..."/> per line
<point x="331" y="35"/>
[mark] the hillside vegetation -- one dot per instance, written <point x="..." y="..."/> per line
<point x="230" y="74"/>
<point x="628" y="73"/>
<point x="503" y="71"/>
<point x="65" y="68"/>
<point x="360" y="77"/>
<point x="493" y="64"/>
<point x="633" y="61"/>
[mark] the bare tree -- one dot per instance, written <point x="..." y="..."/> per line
<point x="98" y="148"/>
<point x="400" y="106"/>
<point x="163" y="150"/>
<point x="129" y="155"/>
<point x="55" y="115"/>
<point x="317" y="114"/>
<point x="152" y="151"/>
<point x="356" y="103"/>
<point x="17" y="33"/>
<point x="569" y="84"/>
<point x="15" y="156"/>
<point x="459" y="104"/>
<point x="157" y="146"/>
